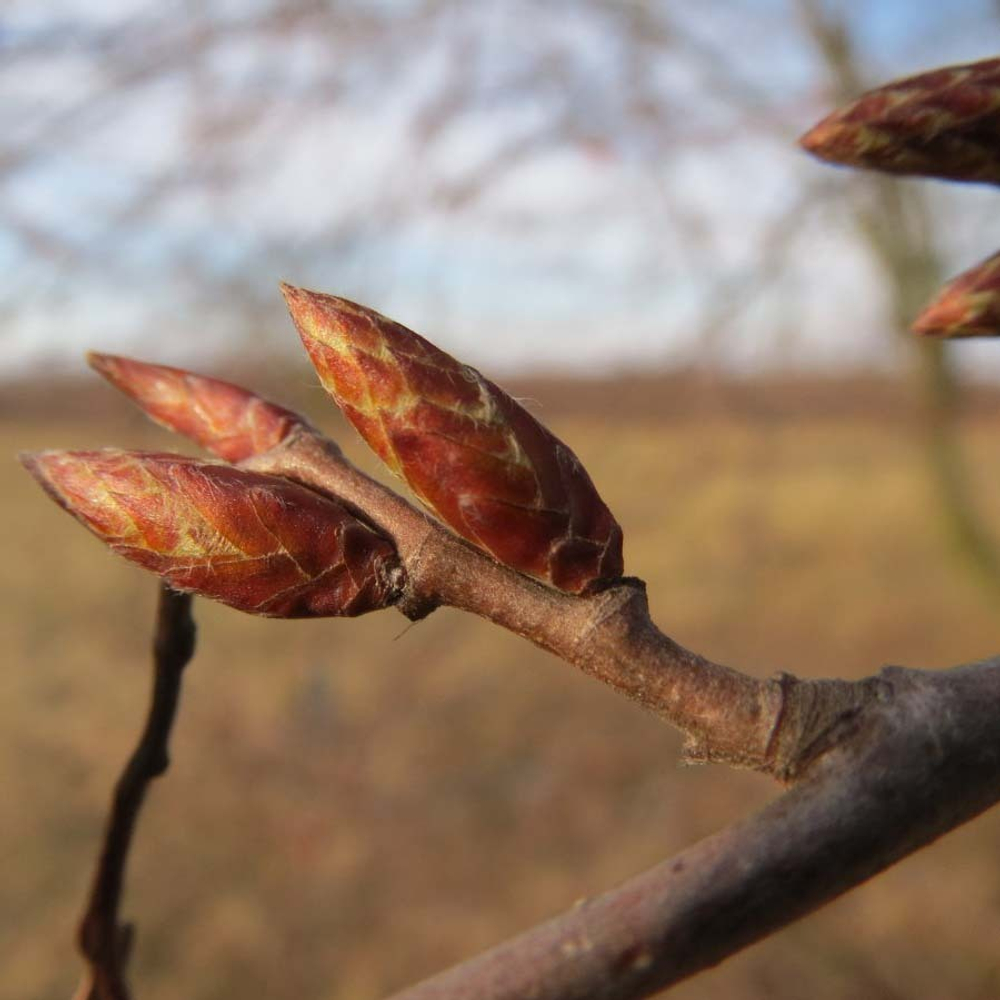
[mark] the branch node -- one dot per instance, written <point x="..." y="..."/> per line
<point x="414" y="605"/>
<point x="813" y="717"/>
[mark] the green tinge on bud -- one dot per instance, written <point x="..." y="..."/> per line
<point x="944" y="123"/>
<point x="968" y="306"/>
<point x="258" y="543"/>
<point x="223" y="418"/>
<point x="472" y="454"/>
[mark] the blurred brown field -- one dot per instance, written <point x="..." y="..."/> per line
<point x="355" y="804"/>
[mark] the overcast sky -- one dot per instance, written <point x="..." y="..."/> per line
<point x="488" y="176"/>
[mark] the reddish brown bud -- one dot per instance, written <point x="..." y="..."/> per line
<point x="944" y="123"/>
<point x="475" y="457"/>
<point x="223" y="418"/>
<point x="257" y="543"/>
<point x="968" y="306"/>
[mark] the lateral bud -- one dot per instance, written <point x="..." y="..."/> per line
<point x="968" y="306"/>
<point x="223" y="418"/>
<point x="944" y="123"/>
<point x="469" y="452"/>
<point x="258" y="543"/>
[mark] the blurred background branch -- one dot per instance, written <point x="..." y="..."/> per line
<point x="619" y="164"/>
<point x="897" y="223"/>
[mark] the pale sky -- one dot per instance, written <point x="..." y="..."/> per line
<point x="606" y="248"/>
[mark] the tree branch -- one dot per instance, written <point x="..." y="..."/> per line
<point x="881" y="766"/>
<point x="104" y="942"/>
<point x="918" y="760"/>
<point x="771" y="725"/>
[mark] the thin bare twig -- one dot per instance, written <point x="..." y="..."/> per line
<point x="773" y="725"/>
<point x="104" y="942"/>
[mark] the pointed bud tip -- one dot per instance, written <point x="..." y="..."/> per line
<point x="127" y="374"/>
<point x="109" y="366"/>
<point x="924" y="327"/>
<point x="807" y="140"/>
<point x="53" y="469"/>
<point x="38" y="462"/>
<point x="326" y="321"/>
<point x="817" y="139"/>
<point x="99" y="360"/>
<point x="33" y="463"/>
<point x="298" y="299"/>
<point x="937" y="320"/>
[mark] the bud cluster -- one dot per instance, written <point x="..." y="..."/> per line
<point x="269" y="546"/>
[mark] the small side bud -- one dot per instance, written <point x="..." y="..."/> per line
<point x="968" y="306"/>
<point x="257" y="543"/>
<point x="474" y="456"/>
<point x="223" y="418"/>
<point x="943" y="123"/>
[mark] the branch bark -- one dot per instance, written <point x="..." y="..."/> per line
<point x="103" y="941"/>
<point x="919" y="759"/>
<point x="774" y="725"/>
